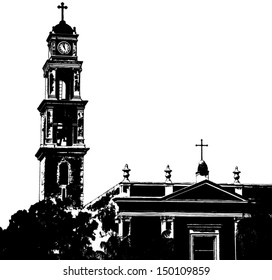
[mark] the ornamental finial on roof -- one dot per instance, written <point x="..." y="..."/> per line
<point x="201" y="145"/>
<point x="202" y="168"/>
<point x="236" y="176"/>
<point x="126" y="174"/>
<point x="168" y="174"/>
<point x="62" y="7"/>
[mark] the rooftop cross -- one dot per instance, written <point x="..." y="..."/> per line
<point x="201" y="145"/>
<point x="62" y="7"/>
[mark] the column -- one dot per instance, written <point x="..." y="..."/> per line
<point x="167" y="226"/>
<point x="80" y="127"/>
<point x="236" y="221"/>
<point x="49" y="126"/>
<point x="52" y="84"/>
<point x="42" y="138"/>
<point x="46" y="87"/>
<point x="120" y="226"/>
<point x="74" y="49"/>
<point x="124" y="227"/>
<point x="76" y="85"/>
<point x="124" y="190"/>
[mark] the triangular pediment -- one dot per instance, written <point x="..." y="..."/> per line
<point x="205" y="190"/>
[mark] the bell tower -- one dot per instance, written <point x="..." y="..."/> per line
<point x="62" y="148"/>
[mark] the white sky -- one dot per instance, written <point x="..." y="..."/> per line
<point x="159" y="76"/>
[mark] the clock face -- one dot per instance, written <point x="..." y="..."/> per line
<point x="64" y="47"/>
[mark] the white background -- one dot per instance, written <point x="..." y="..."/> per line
<point x="159" y="76"/>
<point x="44" y="270"/>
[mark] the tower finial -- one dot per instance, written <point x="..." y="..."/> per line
<point x="201" y="145"/>
<point x="62" y="7"/>
<point x="202" y="168"/>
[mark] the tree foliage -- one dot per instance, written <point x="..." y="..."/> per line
<point x="48" y="230"/>
<point x="254" y="237"/>
<point x="107" y="216"/>
<point x="106" y="210"/>
<point x="130" y="249"/>
<point x="104" y="200"/>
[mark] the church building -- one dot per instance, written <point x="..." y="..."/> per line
<point x="201" y="218"/>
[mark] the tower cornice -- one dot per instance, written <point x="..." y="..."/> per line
<point x="66" y="64"/>
<point x="62" y="36"/>
<point x="47" y="103"/>
<point x="61" y="151"/>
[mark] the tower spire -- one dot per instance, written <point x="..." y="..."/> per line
<point x="62" y="7"/>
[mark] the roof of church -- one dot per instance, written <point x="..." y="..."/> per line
<point x="206" y="190"/>
<point x="156" y="191"/>
<point x="205" y="196"/>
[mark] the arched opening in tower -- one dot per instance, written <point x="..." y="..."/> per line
<point x="63" y="173"/>
<point x="64" y="84"/>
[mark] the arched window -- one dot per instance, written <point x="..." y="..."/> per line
<point x="63" y="173"/>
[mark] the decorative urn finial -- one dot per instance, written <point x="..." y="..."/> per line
<point x="168" y="174"/>
<point x="126" y="174"/>
<point x="236" y="176"/>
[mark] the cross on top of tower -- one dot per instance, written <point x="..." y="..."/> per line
<point x="62" y="7"/>
<point x="201" y="145"/>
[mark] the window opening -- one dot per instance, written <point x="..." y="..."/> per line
<point x="204" y="247"/>
<point x="63" y="173"/>
<point x="63" y="193"/>
<point x="204" y="241"/>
